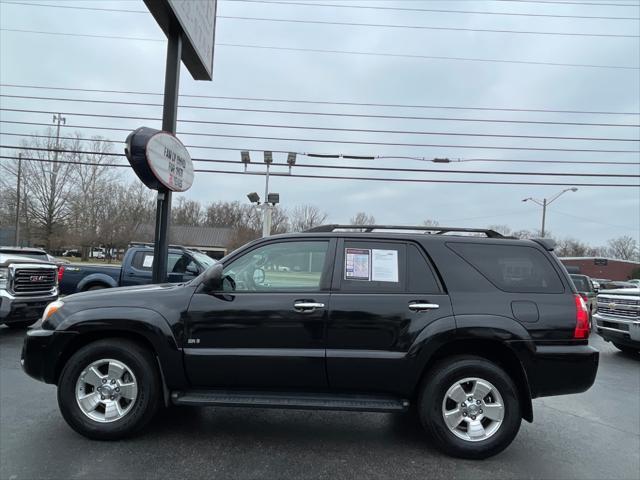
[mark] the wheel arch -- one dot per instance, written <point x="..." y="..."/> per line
<point x="96" y="279"/>
<point x="493" y="350"/>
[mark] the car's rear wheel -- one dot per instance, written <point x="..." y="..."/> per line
<point x="109" y="389"/>
<point x="471" y="407"/>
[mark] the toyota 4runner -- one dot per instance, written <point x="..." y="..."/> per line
<point x="463" y="326"/>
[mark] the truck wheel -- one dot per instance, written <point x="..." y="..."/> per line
<point x="627" y="349"/>
<point x="109" y="389"/>
<point x="19" y="325"/>
<point x="94" y="287"/>
<point x="470" y="406"/>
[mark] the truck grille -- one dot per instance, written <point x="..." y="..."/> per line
<point x="619" y="307"/>
<point x="34" y="280"/>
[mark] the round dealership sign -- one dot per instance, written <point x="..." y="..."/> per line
<point x="159" y="159"/>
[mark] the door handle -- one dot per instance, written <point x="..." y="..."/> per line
<point x="307" y="305"/>
<point x="421" y="306"/>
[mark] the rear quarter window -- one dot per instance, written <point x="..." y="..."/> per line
<point x="511" y="268"/>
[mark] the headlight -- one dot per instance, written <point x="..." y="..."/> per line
<point x="52" y="308"/>
<point x="4" y="275"/>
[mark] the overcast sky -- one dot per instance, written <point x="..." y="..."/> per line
<point x="592" y="214"/>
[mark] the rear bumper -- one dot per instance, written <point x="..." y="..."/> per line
<point x="41" y="353"/>
<point x="561" y="370"/>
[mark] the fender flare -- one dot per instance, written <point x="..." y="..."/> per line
<point x="102" y="278"/>
<point x="136" y="323"/>
<point x="480" y="330"/>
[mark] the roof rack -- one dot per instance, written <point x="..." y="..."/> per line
<point x="148" y="244"/>
<point x="427" y="230"/>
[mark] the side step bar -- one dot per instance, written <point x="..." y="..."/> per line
<point x="291" y="400"/>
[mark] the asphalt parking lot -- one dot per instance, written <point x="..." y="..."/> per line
<point x="594" y="435"/>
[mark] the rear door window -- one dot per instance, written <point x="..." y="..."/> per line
<point x="512" y="268"/>
<point x="372" y="267"/>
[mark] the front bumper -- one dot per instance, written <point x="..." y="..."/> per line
<point x="41" y="352"/>
<point x="618" y="330"/>
<point x="17" y="308"/>
<point x="562" y="369"/>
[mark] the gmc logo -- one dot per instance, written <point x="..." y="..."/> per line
<point x="37" y="278"/>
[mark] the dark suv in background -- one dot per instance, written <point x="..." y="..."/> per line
<point x="465" y="329"/>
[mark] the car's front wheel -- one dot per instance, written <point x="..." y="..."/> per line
<point x="471" y="407"/>
<point x="109" y="389"/>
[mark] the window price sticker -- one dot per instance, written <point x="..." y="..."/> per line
<point x="357" y="264"/>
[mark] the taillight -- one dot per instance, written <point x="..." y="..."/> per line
<point x="60" y="273"/>
<point x="582" y="319"/>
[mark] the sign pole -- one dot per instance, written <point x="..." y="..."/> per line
<point x="169" y="118"/>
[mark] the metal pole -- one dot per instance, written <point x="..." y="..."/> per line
<point x="544" y="214"/>
<point x="266" y="208"/>
<point x="17" y="237"/>
<point x="169" y="117"/>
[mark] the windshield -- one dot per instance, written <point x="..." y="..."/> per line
<point x="204" y="260"/>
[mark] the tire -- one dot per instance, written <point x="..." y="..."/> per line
<point x="626" y="349"/>
<point x="127" y="362"/>
<point x="95" y="287"/>
<point x="21" y="325"/>
<point x="467" y="441"/>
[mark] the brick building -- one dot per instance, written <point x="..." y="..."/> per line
<point x="596" y="267"/>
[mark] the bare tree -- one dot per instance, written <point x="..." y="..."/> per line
<point x="431" y="223"/>
<point x="186" y="212"/>
<point x="624" y="248"/>
<point x="361" y="218"/>
<point x="48" y="184"/>
<point x="225" y="214"/>
<point x="305" y="217"/>
<point x="128" y="212"/>
<point x="88" y="201"/>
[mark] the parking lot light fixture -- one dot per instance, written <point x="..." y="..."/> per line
<point x="254" y="198"/>
<point x="246" y="158"/>
<point x="544" y="202"/>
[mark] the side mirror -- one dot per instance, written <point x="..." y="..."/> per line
<point x="212" y="277"/>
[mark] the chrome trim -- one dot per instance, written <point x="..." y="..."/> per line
<point x="36" y="266"/>
<point x="420" y="307"/>
<point x="613" y="319"/>
<point x="307" y="305"/>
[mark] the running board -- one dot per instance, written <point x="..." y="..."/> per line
<point x="291" y="400"/>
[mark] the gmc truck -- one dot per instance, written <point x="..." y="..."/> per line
<point x="28" y="282"/>
<point x="462" y="330"/>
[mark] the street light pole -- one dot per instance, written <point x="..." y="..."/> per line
<point x="266" y="208"/>
<point x="544" y="202"/>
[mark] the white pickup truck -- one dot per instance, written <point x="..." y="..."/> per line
<point x="618" y="318"/>
<point x="28" y="282"/>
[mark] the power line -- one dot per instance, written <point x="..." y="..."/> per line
<point x="344" y="52"/>
<point x="340" y="155"/>
<point x="335" y="129"/>
<point x="356" y="24"/>
<point x="323" y="102"/>
<point x="559" y="2"/>
<point x="334" y="177"/>
<point x="433" y="10"/>
<point x="329" y="114"/>
<point x="425" y="27"/>
<point x="346" y="142"/>
<point x="352" y="167"/>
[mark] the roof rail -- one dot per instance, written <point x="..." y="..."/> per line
<point x="149" y="244"/>
<point x="431" y="230"/>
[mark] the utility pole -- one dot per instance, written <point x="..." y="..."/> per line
<point x="17" y="236"/>
<point x="544" y="202"/>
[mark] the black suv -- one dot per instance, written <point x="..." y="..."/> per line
<point x="464" y="329"/>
